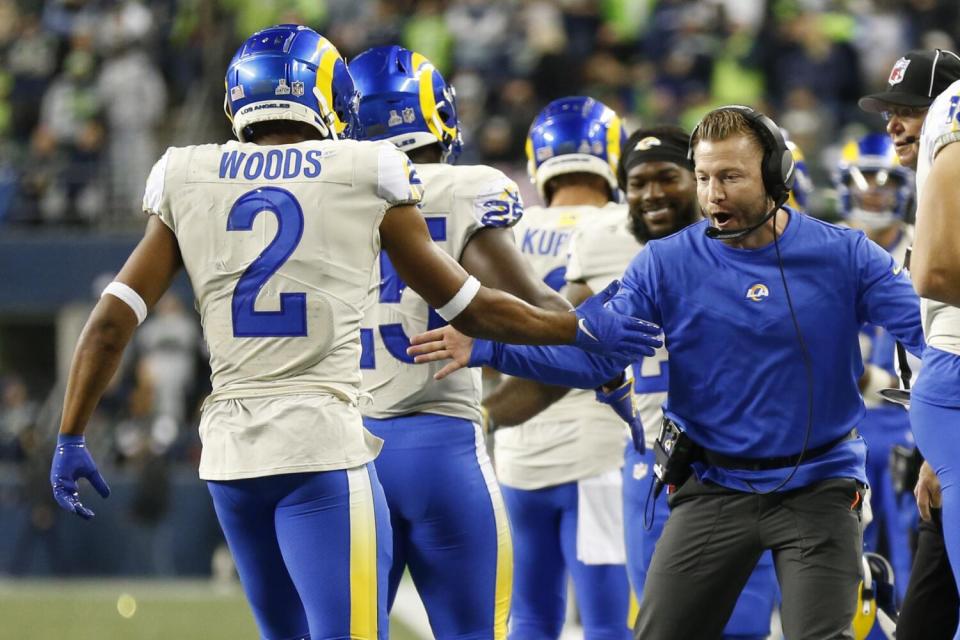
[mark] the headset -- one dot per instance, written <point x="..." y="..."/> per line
<point x="778" y="172"/>
<point x="778" y="168"/>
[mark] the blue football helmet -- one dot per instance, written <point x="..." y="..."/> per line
<point x="802" y="184"/>
<point x="874" y="189"/>
<point x="291" y="72"/>
<point x="405" y="100"/>
<point x="574" y="135"/>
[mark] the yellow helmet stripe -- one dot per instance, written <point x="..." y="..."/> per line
<point x="328" y="60"/>
<point x="613" y="141"/>
<point x="424" y="70"/>
<point x="531" y="161"/>
<point x="851" y="152"/>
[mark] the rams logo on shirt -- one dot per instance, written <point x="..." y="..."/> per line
<point x="757" y="292"/>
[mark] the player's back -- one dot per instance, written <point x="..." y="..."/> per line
<point x="458" y="202"/>
<point x="280" y="295"/>
<point x="576" y="437"/>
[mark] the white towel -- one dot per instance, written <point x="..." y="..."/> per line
<point x="600" y="519"/>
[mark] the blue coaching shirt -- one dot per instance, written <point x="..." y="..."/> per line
<point x="738" y="384"/>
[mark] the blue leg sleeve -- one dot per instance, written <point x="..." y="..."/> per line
<point x="935" y="428"/>
<point x="310" y="548"/>
<point x="449" y="520"/>
<point x="539" y="578"/>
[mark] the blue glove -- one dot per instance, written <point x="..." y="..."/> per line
<point x="72" y="461"/>
<point x="621" y="401"/>
<point x="605" y="332"/>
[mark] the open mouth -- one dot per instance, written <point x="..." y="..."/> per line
<point x="722" y="219"/>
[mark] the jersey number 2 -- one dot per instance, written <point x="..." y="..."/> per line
<point x="291" y="319"/>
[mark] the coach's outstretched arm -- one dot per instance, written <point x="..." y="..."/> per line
<point x="556" y="364"/>
<point x="145" y="277"/>
<point x="493" y="314"/>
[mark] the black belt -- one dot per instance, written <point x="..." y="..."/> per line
<point x="763" y="464"/>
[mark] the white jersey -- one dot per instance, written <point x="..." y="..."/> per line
<point x="599" y="254"/>
<point x="280" y="243"/>
<point x="458" y="201"/>
<point x="576" y="437"/>
<point x="941" y="322"/>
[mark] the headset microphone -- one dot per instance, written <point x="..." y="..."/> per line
<point x="735" y="234"/>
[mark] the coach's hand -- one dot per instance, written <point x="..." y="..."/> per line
<point x="927" y="491"/>
<point x="442" y="344"/>
<point x="72" y="461"/>
<point x="603" y="331"/>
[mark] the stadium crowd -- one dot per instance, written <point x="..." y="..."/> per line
<point x="92" y="90"/>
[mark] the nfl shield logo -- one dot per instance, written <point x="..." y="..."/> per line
<point x="297" y="88"/>
<point x="898" y="71"/>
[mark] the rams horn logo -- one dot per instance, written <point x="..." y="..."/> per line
<point x="647" y="143"/>
<point x="757" y="292"/>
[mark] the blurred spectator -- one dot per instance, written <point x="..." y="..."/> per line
<point x="31" y="62"/>
<point x="143" y="441"/>
<point x="18" y="414"/>
<point x="134" y="96"/>
<point x="36" y="537"/>
<point x="64" y="170"/>
<point x="168" y="343"/>
<point x="426" y="32"/>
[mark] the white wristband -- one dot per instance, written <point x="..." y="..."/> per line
<point x="460" y="301"/>
<point x="129" y="297"/>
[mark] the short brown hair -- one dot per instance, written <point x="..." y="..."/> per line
<point x="722" y="124"/>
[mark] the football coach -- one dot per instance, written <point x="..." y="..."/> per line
<point x="760" y="307"/>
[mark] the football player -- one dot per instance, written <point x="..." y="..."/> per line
<point x="560" y="469"/>
<point x="449" y="523"/>
<point x="935" y="270"/>
<point x="875" y="192"/>
<point x="281" y="297"/>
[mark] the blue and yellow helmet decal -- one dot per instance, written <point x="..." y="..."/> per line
<point x="291" y="72"/>
<point x="873" y="154"/>
<point x="573" y="135"/>
<point x="405" y="100"/>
